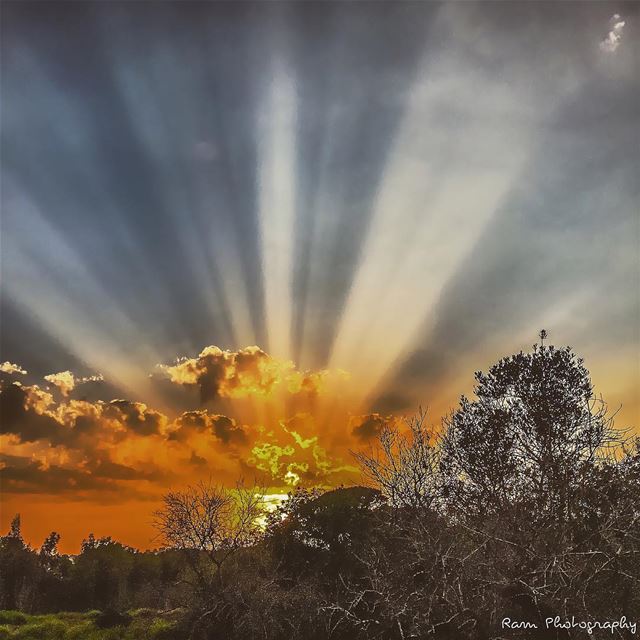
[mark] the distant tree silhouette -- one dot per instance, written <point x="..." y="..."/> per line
<point x="19" y="575"/>
<point x="14" y="530"/>
<point x="49" y="548"/>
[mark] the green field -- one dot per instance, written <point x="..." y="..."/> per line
<point x="141" y="624"/>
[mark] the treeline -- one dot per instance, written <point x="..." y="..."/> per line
<point x="525" y="505"/>
<point x="105" y="575"/>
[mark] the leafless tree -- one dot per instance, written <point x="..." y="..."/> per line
<point x="404" y="466"/>
<point x="210" y="523"/>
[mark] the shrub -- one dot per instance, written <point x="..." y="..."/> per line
<point x="14" y="618"/>
<point x="84" y="631"/>
<point x="162" y="630"/>
<point x="112" y="618"/>
<point x="49" y="629"/>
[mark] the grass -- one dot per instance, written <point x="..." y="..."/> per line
<point x="144" y="624"/>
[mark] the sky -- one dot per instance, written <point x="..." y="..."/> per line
<point x="240" y="238"/>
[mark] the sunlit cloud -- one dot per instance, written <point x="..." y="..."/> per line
<point x="64" y="380"/>
<point x="237" y="374"/>
<point x="222" y="427"/>
<point x="614" y="37"/>
<point x="53" y="437"/>
<point x="9" y="367"/>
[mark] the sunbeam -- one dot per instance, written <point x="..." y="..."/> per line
<point x="277" y="192"/>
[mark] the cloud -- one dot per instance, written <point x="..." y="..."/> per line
<point x="614" y="38"/>
<point x="9" y="367"/>
<point x="19" y="416"/>
<point x="366" y="427"/>
<point x="106" y="468"/>
<point x="33" y="414"/>
<point x="64" y="380"/>
<point x="21" y="474"/>
<point x="60" y="442"/>
<point x="25" y="475"/>
<point x="223" y="428"/>
<point x="55" y="446"/>
<point x="196" y="460"/>
<point x="289" y="456"/>
<point x="136" y="416"/>
<point x="248" y="372"/>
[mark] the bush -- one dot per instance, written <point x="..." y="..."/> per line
<point x="83" y="631"/>
<point x="14" y="618"/>
<point x="162" y="630"/>
<point x="49" y="629"/>
<point x="143" y="612"/>
<point x="112" y="618"/>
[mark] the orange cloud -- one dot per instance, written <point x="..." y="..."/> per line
<point x="239" y="374"/>
<point x="369" y="426"/>
<point x="278" y="424"/>
<point x="65" y="443"/>
<point x="223" y="428"/>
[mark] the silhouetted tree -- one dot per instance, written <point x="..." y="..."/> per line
<point x="209" y="524"/>
<point x="322" y="532"/>
<point x="526" y="437"/>
<point x="19" y="575"/>
<point x="49" y="548"/>
<point x="518" y="463"/>
<point x="14" y="530"/>
<point x="404" y="466"/>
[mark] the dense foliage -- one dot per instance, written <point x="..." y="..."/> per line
<point x="525" y="506"/>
